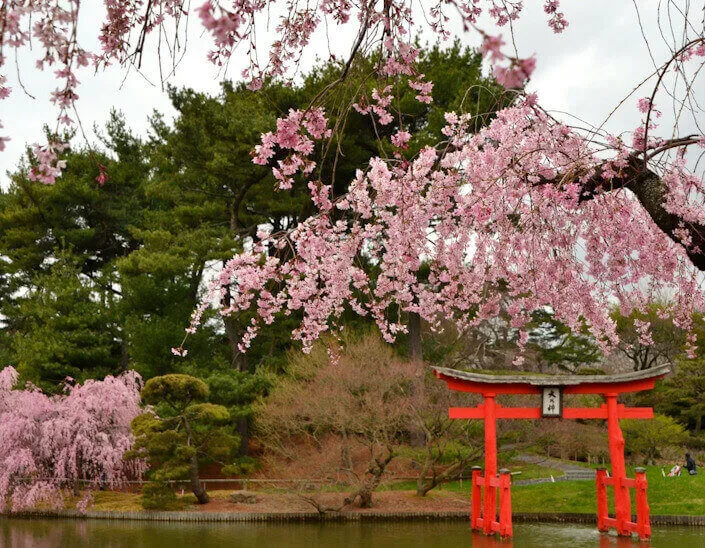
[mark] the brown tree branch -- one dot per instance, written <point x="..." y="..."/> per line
<point x="648" y="188"/>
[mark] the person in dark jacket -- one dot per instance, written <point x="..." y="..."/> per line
<point x="690" y="465"/>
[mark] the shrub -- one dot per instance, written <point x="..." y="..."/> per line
<point x="158" y="495"/>
<point x="648" y="437"/>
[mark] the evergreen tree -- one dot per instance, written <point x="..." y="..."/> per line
<point x="181" y="433"/>
<point x="63" y="329"/>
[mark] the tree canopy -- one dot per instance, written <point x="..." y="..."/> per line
<point x="573" y="219"/>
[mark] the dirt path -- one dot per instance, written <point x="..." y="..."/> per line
<point x="384" y="501"/>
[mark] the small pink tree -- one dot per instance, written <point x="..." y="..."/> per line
<point x="48" y="443"/>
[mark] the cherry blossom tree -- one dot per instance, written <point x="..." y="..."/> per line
<point x="50" y="443"/>
<point x="570" y="218"/>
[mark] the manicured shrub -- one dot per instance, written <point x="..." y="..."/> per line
<point x="158" y="495"/>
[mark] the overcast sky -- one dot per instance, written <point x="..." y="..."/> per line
<point x="585" y="71"/>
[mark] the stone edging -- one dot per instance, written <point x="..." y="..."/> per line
<point x="695" y="521"/>
<point x="303" y="517"/>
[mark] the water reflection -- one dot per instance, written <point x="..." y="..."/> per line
<point x="482" y="541"/>
<point x="556" y="536"/>
<point x="17" y="533"/>
<point x="613" y="541"/>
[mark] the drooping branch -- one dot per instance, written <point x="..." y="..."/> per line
<point x="649" y="189"/>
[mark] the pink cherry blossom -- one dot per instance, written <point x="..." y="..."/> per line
<point x="49" y="442"/>
<point x="497" y="210"/>
<point x="527" y="209"/>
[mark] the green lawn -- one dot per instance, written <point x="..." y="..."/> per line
<point x="676" y="496"/>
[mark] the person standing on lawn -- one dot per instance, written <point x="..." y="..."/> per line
<point x="690" y="465"/>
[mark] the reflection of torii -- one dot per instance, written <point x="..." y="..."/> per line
<point x="609" y="386"/>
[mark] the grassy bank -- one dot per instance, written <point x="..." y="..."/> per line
<point x="683" y="495"/>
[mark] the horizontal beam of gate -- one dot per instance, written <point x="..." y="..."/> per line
<point x="519" y="387"/>
<point x="478" y="412"/>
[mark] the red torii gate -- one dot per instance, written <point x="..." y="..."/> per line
<point x="552" y="388"/>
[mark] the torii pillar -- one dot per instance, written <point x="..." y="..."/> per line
<point x="552" y="389"/>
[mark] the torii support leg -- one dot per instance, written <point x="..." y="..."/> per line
<point x="490" y="498"/>
<point x="622" y="500"/>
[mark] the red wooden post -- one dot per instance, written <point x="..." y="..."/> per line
<point x="642" y="505"/>
<point x="505" y="504"/>
<point x="475" y="498"/>
<point x="490" y="495"/>
<point x="602" y="509"/>
<point x="622" y="500"/>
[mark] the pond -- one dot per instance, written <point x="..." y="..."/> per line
<point x="25" y="533"/>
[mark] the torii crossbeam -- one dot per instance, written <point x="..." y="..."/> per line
<point x="552" y="389"/>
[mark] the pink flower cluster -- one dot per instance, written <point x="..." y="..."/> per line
<point x="128" y="25"/>
<point x="557" y="20"/>
<point x="516" y="74"/>
<point x="685" y="194"/>
<point x="48" y="166"/>
<point x="4" y="93"/>
<point x="503" y="208"/>
<point x="513" y="75"/>
<point x="381" y="100"/>
<point x="48" y="442"/>
<point x="124" y="39"/>
<point x="423" y="87"/>
<point x="295" y="137"/>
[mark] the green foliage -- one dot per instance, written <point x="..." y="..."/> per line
<point x="62" y="330"/>
<point x="176" y="391"/>
<point x="649" y="437"/>
<point x="668" y="339"/>
<point x="243" y="467"/>
<point x="555" y="345"/>
<point x="183" y="432"/>
<point x="175" y="206"/>
<point x="57" y="278"/>
<point x="684" y="394"/>
<point x="159" y="496"/>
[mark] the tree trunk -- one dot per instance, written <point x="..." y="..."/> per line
<point x="198" y="490"/>
<point x="233" y="332"/>
<point x="196" y="486"/>
<point x="124" y="353"/>
<point x="364" y="494"/>
<point x="416" y="434"/>
<point x="423" y="483"/>
<point x="345" y="457"/>
<point x="243" y="429"/>
<point x="415" y="342"/>
<point x="234" y="335"/>
<point x="372" y="480"/>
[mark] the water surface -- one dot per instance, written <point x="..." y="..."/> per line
<point x="26" y="533"/>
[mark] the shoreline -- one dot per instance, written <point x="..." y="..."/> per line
<point x="315" y="517"/>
